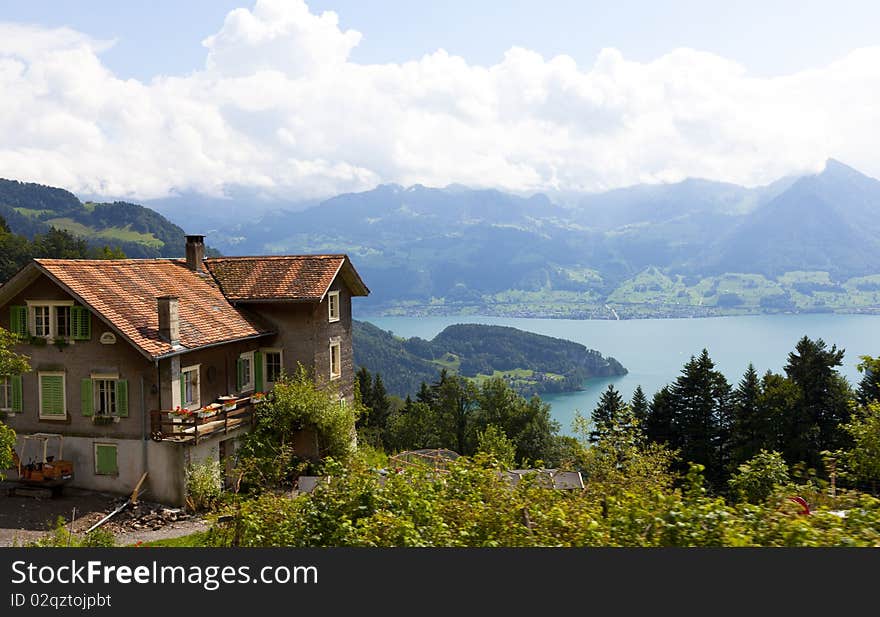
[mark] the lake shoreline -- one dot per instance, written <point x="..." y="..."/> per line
<point x="655" y="350"/>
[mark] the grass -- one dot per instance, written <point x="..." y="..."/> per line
<point x="124" y="234"/>
<point x="32" y="213"/>
<point x="197" y="539"/>
<point x="449" y="361"/>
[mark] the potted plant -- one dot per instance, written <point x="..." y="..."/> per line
<point x="209" y="410"/>
<point x="103" y="420"/>
<point x="181" y="413"/>
<point x="258" y="397"/>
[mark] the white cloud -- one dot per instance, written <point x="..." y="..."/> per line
<point x="281" y="108"/>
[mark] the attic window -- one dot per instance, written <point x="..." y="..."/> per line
<point x="333" y="305"/>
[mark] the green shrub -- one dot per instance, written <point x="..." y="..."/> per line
<point x="203" y="484"/>
<point x="759" y="478"/>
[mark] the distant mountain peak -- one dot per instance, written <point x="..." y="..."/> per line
<point x="834" y="168"/>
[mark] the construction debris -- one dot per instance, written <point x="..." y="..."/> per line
<point x="141" y="516"/>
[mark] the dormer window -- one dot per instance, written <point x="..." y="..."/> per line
<point x="42" y="320"/>
<point x="62" y="321"/>
<point x="333" y="305"/>
<point x="50" y="319"/>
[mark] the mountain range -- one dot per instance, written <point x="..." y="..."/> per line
<point x="696" y="247"/>
<point x="692" y="247"/>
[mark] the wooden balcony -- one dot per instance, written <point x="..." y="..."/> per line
<point x="167" y="425"/>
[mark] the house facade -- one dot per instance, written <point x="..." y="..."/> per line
<point x="147" y="365"/>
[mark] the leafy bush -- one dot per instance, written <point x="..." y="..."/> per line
<point x="497" y="446"/>
<point x="759" y="478"/>
<point x="471" y="504"/>
<point x="267" y="457"/>
<point x="203" y="484"/>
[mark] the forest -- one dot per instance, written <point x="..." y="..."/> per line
<point x="530" y="363"/>
<point x="808" y="419"/>
<point x="17" y="250"/>
<point x="786" y="459"/>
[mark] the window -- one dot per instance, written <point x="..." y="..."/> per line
<point x="42" y="321"/>
<point x="335" y="364"/>
<point x="10" y="393"/>
<point x="246" y="372"/>
<point x="53" y="402"/>
<point x="190" y="396"/>
<point x="5" y="393"/>
<point x="272" y="370"/>
<point x="62" y="322"/>
<point x="54" y="319"/>
<point x="106" y="463"/>
<point x="105" y="395"/>
<point x="333" y="305"/>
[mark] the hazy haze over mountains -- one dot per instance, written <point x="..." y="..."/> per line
<point x="421" y="242"/>
<point x="695" y="243"/>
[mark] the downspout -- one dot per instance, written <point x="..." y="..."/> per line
<point x="143" y="427"/>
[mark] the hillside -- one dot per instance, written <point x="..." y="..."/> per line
<point x="31" y="209"/>
<point x="532" y="363"/>
<point x="692" y="248"/>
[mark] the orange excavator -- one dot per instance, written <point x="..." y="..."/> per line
<point x="41" y="463"/>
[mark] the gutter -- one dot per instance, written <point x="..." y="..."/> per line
<point x="185" y="350"/>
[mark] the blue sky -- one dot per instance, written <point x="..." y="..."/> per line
<point x="555" y="95"/>
<point x="768" y="37"/>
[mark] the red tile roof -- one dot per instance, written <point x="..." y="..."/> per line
<point x="124" y="292"/>
<point x="287" y="277"/>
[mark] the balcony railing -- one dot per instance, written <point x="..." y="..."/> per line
<point x="190" y="427"/>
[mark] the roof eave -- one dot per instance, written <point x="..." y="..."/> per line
<point x="180" y="352"/>
<point x="355" y="284"/>
<point x="273" y="300"/>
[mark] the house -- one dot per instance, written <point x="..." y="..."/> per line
<point x="117" y="346"/>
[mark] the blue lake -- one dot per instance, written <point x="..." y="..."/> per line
<point x="654" y="350"/>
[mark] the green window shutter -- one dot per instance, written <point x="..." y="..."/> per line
<point x="16" y="393"/>
<point x="86" y="400"/>
<point x="18" y="320"/>
<point x="183" y="389"/>
<point x="81" y="320"/>
<point x="258" y="371"/>
<point x="52" y="395"/>
<point x="122" y="398"/>
<point x="239" y="382"/>
<point x="105" y="460"/>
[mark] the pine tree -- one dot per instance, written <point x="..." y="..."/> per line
<point x="639" y="406"/>
<point x="823" y="405"/>
<point x="701" y="413"/>
<point x="381" y="406"/>
<point x="869" y="384"/>
<point x="607" y="413"/>
<point x="364" y="384"/>
<point x="752" y="428"/>
<point x="659" y="426"/>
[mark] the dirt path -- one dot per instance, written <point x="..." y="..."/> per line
<point x="175" y="530"/>
<point x="26" y="519"/>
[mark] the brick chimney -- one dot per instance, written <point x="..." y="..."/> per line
<point x="169" y="319"/>
<point x="195" y="252"/>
